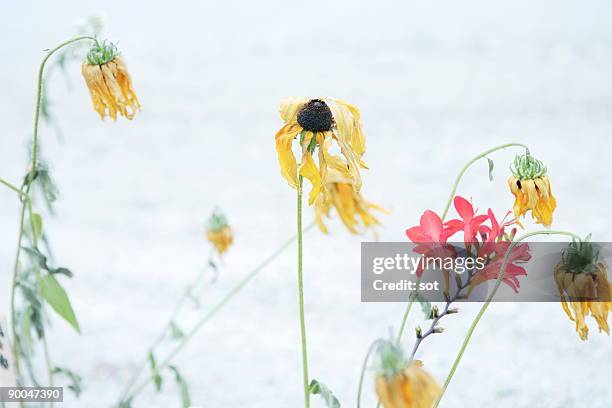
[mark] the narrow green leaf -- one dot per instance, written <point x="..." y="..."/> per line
<point x="491" y="167"/>
<point x="38" y="225"/>
<point x="62" y="271"/>
<point x="157" y="379"/>
<point x="75" y="381"/>
<point x="318" y="388"/>
<point x="183" y="387"/>
<point x="56" y="296"/>
<point x="26" y="330"/>
<point x="175" y="331"/>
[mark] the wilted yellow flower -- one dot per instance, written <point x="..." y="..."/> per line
<point x="318" y="122"/>
<point x="402" y="384"/>
<point x="584" y="293"/>
<point x="531" y="189"/>
<point x="109" y="83"/>
<point x="353" y="209"/>
<point x="219" y="233"/>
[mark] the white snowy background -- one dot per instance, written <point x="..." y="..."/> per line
<point x="436" y="83"/>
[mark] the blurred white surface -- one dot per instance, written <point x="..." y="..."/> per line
<point x="436" y="84"/>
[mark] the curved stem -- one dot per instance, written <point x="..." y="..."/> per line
<point x="162" y="335"/>
<point x="34" y="161"/>
<point x="239" y="286"/>
<point x="447" y="206"/>
<point x="301" y="296"/>
<point x="484" y="307"/>
<point x="363" y="369"/>
<point x="467" y="166"/>
<point x="445" y="213"/>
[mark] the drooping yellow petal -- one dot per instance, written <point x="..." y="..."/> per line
<point x="412" y="388"/>
<point x="343" y="119"/>
<point x="528" y="187"/>
<point x="353" y="209"/>
<point x="321" y="210"/>
<point x="357" y="140"/>
<point x="110" y="88"/>
<point x="289" y="108"/>
<point x="533" y="195"/>
<point x="583" y="294"/>
<point x="513" y="187"/>
<point x="309" y="170"/>
<point x="284" y="149"/>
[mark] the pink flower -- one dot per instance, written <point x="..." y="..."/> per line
<point x="431" y="237"/>
<point x="496" y="251"/>
<point x="469" y="223"/>
<point x="430" y="229"/>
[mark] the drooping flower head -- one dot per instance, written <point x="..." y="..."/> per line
<point x="354" y="211"/>
<point x="109" y="82"/>
<point x="219" y="232"/>
<point x="319" y="124"/>
<point x="401" y="383"/>
<point x="531" y="188"/>
<point x="584" y="287"/>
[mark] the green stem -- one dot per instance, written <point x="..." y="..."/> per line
<point x="467" y="166"/>
<point x="34" y="161"/>
<point x="48" y="363"/>
<point x="446" y="208"/>
<point x="363" y="369"/>
<point x="239" y="286"/>
<point x="484" y="307"/>
<point x="14" y="188"/>
<point x="301" y="296"/>
<point x="402" y="327"/>
<point x="45" y="343"/>
<point x="166" y="328"/>
<point x="445" y="213"/>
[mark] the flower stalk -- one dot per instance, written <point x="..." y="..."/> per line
<point x="484" y="307"/>
<point x="301" y="295"/>
<point x="163" y="334"/>
<point x="468" y="165"/>
<point x="452" y="194"/>
<point x="130" y="394"/>
<point x="24" y="192"/>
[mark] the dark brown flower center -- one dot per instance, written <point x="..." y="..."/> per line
<point x="315" y="116"/>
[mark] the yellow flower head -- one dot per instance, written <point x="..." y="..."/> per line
<point x="584" y="287"/>
<point x="401" y="383"/>
<point x="354" y="211"/>
<point x="319" y="123"/>
<point x="531" y="189"/>
<point x="219" y="233"/>
<point x="109" y="83"/>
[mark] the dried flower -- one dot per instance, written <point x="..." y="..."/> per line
<point x="354" y="211"/>
<point x="318" y="122"/>
<point x="219" y="233"/>
<point x="401" y="383"/>
<point x="531" y="189"/>
<point x="109" y="82"/>
<point x="584" y="287"/>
